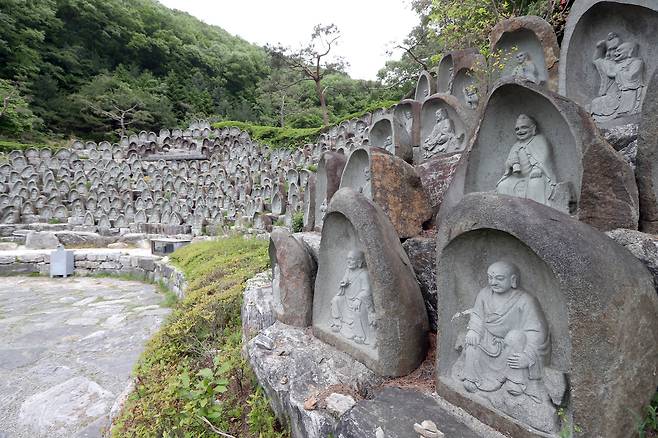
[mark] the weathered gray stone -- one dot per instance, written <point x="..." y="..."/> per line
<point x="62" y="407"/>
<point x="41" y="240"/>
<point x="599" y="302"/>
<point x="372" y="308"/>
<point x="395" y="411"/>
<point x="391" y="183"/>
<point x="647" y="157"/>
<point x="257" y="311"/>
<point x="293" y="276"/>
<point x="338" y="404"/>
<point x="642" y="246"/>
<point x="592" y="181"/>
<point x="422" y="254"/>
<point x="82" y="239"/>
<point x="297" y="370"/>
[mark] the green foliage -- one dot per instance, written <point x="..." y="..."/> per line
<point x="16" y="118"/>
<point x="274" y="136"/>
<point x="312" y="167"/>
<point x="298" y="222"/>
<point x="648" y="426"/>
<point x="192" y="379"/>
<point x="54" y="221"/>
<point x="566" y="431"/>
<point x="8" y="146"/>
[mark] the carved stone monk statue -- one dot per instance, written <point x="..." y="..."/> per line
<point x="622" y="79"/>
<point x="365" y="189"/>
<point x="529" y="166"/>
<point x="443" y="137"/>
<point x="525" y="68"/>
<point x="352" y="309"/>
<point x="506" y="347"/>
<point x="471" y="96"/>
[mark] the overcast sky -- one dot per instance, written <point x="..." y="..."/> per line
<point x="369" y="27"/>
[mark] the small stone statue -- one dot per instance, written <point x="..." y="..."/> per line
<point x="365" y="189"/>
<point x="443" y="137"/>
<point x="622" y="79"/>
<point x="529" y="166"/>
<point x="352" y="309"/>
<point x="506" y="347"/>
<point x="388" y="144"/>
<point x="525" y="68"/>
<point x="471" y="96"/>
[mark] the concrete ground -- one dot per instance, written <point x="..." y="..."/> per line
<point x="67" y="347"/>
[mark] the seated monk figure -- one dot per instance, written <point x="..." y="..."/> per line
<point x="525" y="68"/>
<point x="529" y="167"/>
<point x="506" y="347"/>
<point x="443" y="137"/>
<point x="352" y="309"/>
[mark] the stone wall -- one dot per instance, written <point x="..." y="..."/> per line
<point x="98" y="261"/>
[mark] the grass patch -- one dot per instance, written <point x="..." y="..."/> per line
<point x="192" y="379"/>
<point x="274" y="136"/>
<point x="7" y="146"/>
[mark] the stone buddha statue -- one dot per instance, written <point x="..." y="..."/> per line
<point x="443" y="137"/>
<point x="529" y="166"/>
<point x="352" y="308"/>
<point x="622" y="79"/>
<point x="525" y="68"/>
<point x="506" y="346"/>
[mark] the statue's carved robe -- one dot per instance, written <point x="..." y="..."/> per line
<point x="352" y="307"/>
<point x="534" y="155"/>
<point x="621" y="87"/>
<point x="442" y="139"/>
<point x="527" y="70"/>
<point x="517" y="325"/>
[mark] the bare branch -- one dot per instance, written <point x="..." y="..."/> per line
<point x="214" y="429"/>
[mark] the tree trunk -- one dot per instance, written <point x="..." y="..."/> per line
<point x="323" y="104"/>
<point x="282" y="119"/>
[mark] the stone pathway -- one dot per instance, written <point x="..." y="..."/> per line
<point x="67" y="347"/>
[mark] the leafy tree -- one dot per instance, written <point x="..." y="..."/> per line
<point x="16" y="119"/>
<point x="312" y="62"/>
<point x="115" y="103"/>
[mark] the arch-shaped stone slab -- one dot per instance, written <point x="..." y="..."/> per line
<point x="393" y="185"/>
<point x="391" y="135"/>
<point x="425" y="86"/>
<point x="293" y="275"/>
<point x="589" y="23"/>
<point x="330" y="169"/>
<point x="447" y="136"/>
<point x="599" y="304"/>
<point x="534" y="36"/>
<point x="592" y="178"/>
<point x="469" y="90"/>
<point x="390" y="307"/>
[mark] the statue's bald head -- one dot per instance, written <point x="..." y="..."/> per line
<point x="507" y="269"/>
<point x="356" y="259"/>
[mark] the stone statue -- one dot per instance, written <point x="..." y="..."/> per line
<point x="506" y="347"/>
<point x="525" y="68"/>
<point x="443" y="137"/>
<point x="471" y="96"/>
<point x="365" y="189"/>
<point x="529" y="167"/>
<point x="388" y="143"/>
<point x="352" y="309"/>
<point x="622" y="79"/>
